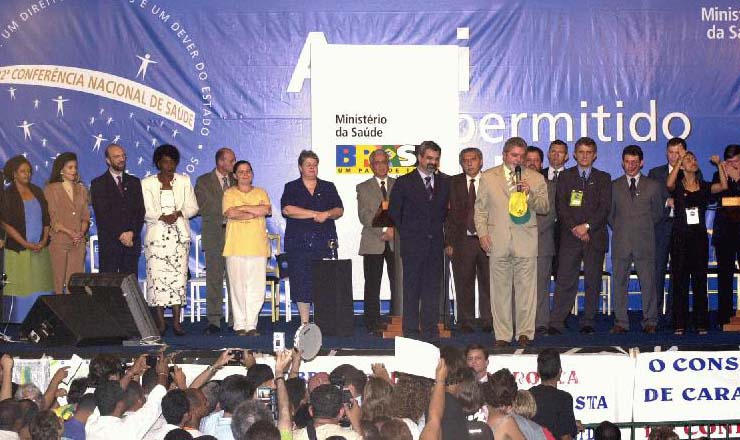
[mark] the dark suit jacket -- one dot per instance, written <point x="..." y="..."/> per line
<point x="456" y="229"/>
<point x="594" y="210"/>
<point x="633" y="219"/>
<point x="660" y="175"/>
<point x="210" y="198"/>
<point x="419" y="221"/>
<point x="116" y="214"/>
<point x="14" y="214"/>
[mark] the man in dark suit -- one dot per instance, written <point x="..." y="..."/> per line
<point x="209" y="190"/>
<point x="675" y="148"/>
<point x="418" y="207"/>
<point x="376" y="243"/>
<point x="636" y="208"/>
<point x="469" y="260"/>
<point x="583" y="199"/>
<point x="118" y="205"/>
<point x="546" y="225"/>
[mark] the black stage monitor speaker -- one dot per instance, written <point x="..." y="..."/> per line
<point x="332" y="297"/>
<point x="120" y="296"/>
<point x="70" y="320"/>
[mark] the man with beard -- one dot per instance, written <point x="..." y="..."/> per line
<point x="418" y="207"/>
<point x="119" y="214"/>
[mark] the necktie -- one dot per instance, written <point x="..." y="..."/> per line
<point x="119" y="184"/>
<point x="225" y="183"/>
<point x="555" y="175"/>
<point x="428" y="185"/>
<point x="583" y="179"/>
<point x="471" y="207"/>
<point x="633" y="187"/>
<point x="383" y="190"/>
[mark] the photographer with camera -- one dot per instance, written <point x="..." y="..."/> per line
<point x="327" y="409"/>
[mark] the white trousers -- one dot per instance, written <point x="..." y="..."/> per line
<point x="247" y="279"/>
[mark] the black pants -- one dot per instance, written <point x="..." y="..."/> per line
<point x="372" y="265"/>
<point x="566" y="288"/>
<point x="689" y="260"/>
<point x="728" y="251"/>
<point x="469" y="261"/>
<point x="116" y="261"/>
<point x="422" y="275"/>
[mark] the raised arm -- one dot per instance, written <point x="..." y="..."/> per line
<point x="722" y="184"/>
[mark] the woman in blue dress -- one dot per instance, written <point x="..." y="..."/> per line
<point x="310" y="206"/>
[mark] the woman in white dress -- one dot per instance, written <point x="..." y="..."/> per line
<point x="170" y="201"/>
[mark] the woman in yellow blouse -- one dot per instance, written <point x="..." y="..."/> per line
<point x="246" y="248"/>
<point x="70" y="219"/>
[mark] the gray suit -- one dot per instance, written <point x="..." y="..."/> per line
<point x="633" y="220"/>
<point x="545" y="253"/>
<point x="372" y="247"/>
<point x="209" y="192"/>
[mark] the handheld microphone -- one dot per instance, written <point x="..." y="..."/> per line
<point x="518" y="177"/>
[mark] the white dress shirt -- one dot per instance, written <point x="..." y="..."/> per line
<point x="131" y="427"/>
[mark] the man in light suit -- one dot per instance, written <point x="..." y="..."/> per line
<point x="545" y="243"/>
<point x="209" y="190"/>
<point x="418" y="207"/>
<point x="512" y="247"/>
<point x="636" y="208"/>
<point x="469" y="261"/>
<point x="376" y="243"/>
<point x="675" y="148"/>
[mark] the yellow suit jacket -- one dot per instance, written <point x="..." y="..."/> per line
<point x="492" y="213"/>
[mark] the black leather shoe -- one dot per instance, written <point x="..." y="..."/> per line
<point x="211" y="330"/>
<point x="553" y="331"/>
<point x="541" y="331"/>
<point x="587" y="330"/>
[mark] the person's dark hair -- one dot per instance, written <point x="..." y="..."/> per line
<point x="133" y="392"/>
<point x="548" y="364"/>
<point x="77" y="389"/>
<point x="86" y="403"/>
<point x="411" y="396"/>
<point x="240" y="163"/>
<point x="107" y="396"/>
<point x="234" y="390"/>
<point x="211" y="389"/>
<point x="29" y="409"/>
<point x="676" y="141"/>
<point x="586" y="141"/>
<point x="174" y="406"/>
<point x="377" y="399"/>
<point x="12" y="165"/>
<point x="472" y="347"/>
<point x="607" y="431"/>
<point x="307" y="154"/>
<point x="457" y="366"/>
<point x="261" y="430"/>
<point x="501" y="388"/>
<point x="350" y="375"/>
<point x="59" y="163"/>
<point x="538" y="150"/>
<point x="731" y="151"/>
<point x="247" y="414"/>
<point x="296" y="387"/>
<point x="178" y="434"/>
<point x="302" y="416"/>
<point x="558" y="142"/>
<point x="221" y="151"/>
<point x="470" y="150"/>
<point x="326" y="401"/>
<point x="10" y="414"/>
<point x="428" y="145"/>
<point x="395" y="429"/>
<point x="102" y="367"/>
<point x="165" y="150"/>
<point x="149" y="380"/>
<point x="259" y="374"/>
<point x="632" y="150"/>
<point x="370" y="430"/>
<point x="46" y="425"/>
<point x="663" y="432"/>
<point x="470" y="395"/>
<point x="515" y="141"/>
<point x="206" y="437"/>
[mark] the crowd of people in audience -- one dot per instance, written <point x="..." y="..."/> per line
<point x="151" y="399"/>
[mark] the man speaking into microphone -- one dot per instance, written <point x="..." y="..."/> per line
<point x="509" y="199"/>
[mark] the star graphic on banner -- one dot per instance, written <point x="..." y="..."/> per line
<point x="36" y="167"/>
<point x="98" y="141"/>
<point x="43" y="142"/>
<point x="60" y="104"/>
<point x="36" y="103"/>
<point x="116" y="138"/>
<point x="137" y="144"/>
<point x="200" y="146"/>
<point x="146" y="60"/>
<point x="92" y="120"/>
<point x="24" y="154"/>
<point x="26" y="126"/>
<point x="131" y="115"/>
<point x="109" y="120"/>
<point x="147" y="127"/>
<point x="12" y="93"/>
<point x="102" y="110"/>
<point x="46" y="164"/>
<point x="54" y="156"/>
<point x="175" y="132"/>
<point x="140" y="161"/>
<point x="154" y="141"/>
<point x="148" y="173"/>
<point x="161" y="123"/>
